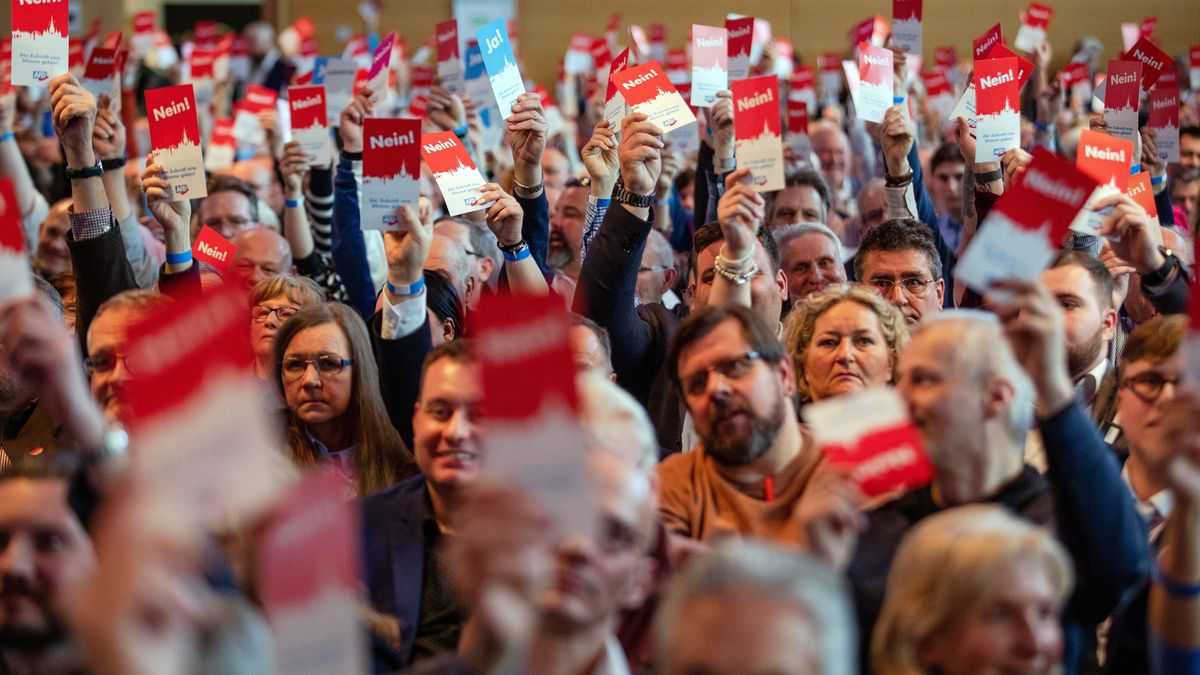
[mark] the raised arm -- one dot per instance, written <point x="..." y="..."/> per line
<point x="108" y="143"/>
<point x="504" y="219"/>
<point x="180" y="274"/>
<point x="741" y="212"/>
<point x="293" y="167"/>
<point x="599" y="156"/>
<point x="527" y="130"/>
<point x="349" y="247"/>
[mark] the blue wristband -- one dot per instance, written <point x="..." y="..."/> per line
<point x="516" y="256"/>
<point x="411" y="289"/>
<point x="1158" y="180"/>
<point x="179" y="258"/>
<point x="1043" y="127"/>
<point x="1176" y="589"/>
<point x="1135" y="169"/>
<point x="293" y="203"/>
<point x="897" y="100"/>
<point x="461" y="131"/>
<point x="8" y="137"/>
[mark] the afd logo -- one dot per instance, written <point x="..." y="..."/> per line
<point x="390" y="219"/>
<point x="181" y="189"/>
<point x="41" y="75"/>
<point x="470" y="201"/>
<point x="760" y="180"/>
<point x="670" y="123"/>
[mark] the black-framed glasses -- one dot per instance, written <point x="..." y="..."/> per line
<point x="473" y="253"/>
<point x="327" y="365"/>
<point x="911" y="285"/>
<point x="1149" y="386"/>
<point x="261" y="312"/>
<point x="102" y="363"/>
<point x="652" y="268"/>
<point x="732" y="368"/>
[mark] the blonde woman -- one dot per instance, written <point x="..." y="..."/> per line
<point x="973" y="590"/>
<point x="843" y="339"/>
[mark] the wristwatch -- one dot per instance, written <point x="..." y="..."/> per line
<point x="898" y="181"/>
<point x="989" y="177"/>
<point x="527" y="191"/>
<point x="90" y="172"/>
<point x="1160" y="276"/>
<point x="620" y="194"/>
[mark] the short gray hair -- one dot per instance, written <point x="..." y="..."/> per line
<point x="786" y="233"/>
<point x="797" y="579"/>
<point x="603" y="406"/>
<point x="658" y="244"/>
<point x="983" y="351"/>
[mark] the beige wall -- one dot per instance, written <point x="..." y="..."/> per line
<point x="815" y="26"/>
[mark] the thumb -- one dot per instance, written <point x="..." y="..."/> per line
<point x="741" y="175"/>
<point x="103" y="102"/>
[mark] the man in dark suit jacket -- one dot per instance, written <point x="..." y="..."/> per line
<point x="404" y="526"/>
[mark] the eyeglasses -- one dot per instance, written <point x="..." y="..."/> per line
<point x="911" y="285"/>
<point x="103" y="363"/>
<point x="652" y="268"/>
<point x="733" y="368"/>
<point x="327" y="365"/>
<point x="1149" y="386"/>
<point x="262" y="312"/>
<point x="234" y="223"/>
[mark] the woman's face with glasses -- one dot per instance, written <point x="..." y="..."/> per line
<point x="1146" y="386"/>
<point x="316" y="380"/>
<point x="266" y="318"/>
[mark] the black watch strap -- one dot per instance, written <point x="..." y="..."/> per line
<point x="90" y="172"/>
<point x="113" y="164"/>
<point x="989" y="177"/>
<point x="512" y="248"/>
<point x="1160" y="275"/>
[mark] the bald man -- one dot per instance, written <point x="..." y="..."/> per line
<point x="261" y="254"/>
<point x="447" y="254"/>
<point x="832" y="148"/>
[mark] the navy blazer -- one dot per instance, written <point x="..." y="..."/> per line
<point x="393" y="546"/>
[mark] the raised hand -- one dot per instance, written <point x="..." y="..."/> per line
<point x="897" y="133"/>
<point x="504" y="216"/>
<point x="527" y="130"/>
<point x="74" y="115"/>
<point x="293" y="166"/>
<point x="640" y="154"/>
<point x="1131" y="234"/>
<point x="174" y="216"/>
<point x="408" y="250"/>
<point x="740" y="212"/>
<point x="446" y="111"/>
<point x="1049" y="103"/>
<point x="600" y="158"/>
<point x="830" y="512"/>
<point x="1035" y="328"/>
<point x="1014" y="161"/>
<point x="269" y="120"/>
<point x="8" y="111"/>
<point x="1151" y="162"/>
<point x="350" y="123"/>
<point x="720" y="120"/>
<point x="1120" y="270"/>
<point x="108" y="135"/>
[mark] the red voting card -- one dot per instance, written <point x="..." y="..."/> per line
<point x="646" y="89"/>
<point x="1122" y="94"/>
<point x="906" y="25"/>
<point x="1164" y="120"/>
<point x="945" y="57"/>
<point x="377" y="76"/>
<point x="16" y="277"/>
<point x="205" y="34"/>
<point x="309" y="125"/>
<point x="246" y="126"/>
<point x="1028" y="223"/>
<point x="1194" y="67"/>
<point x="222" y="146"/>
<point x="449" y="60"/>
<point x="1155" y="61"/>
<point x="454" y="171"/>
<point x="213" y="249"/>
<point x="203" y="448"/>
<point x="870" y="433"/>
<point x="98" y="75"/>
<point x="1140" y="191"/>
<point x="710" y="64"/>
<point x="532" y="434"/>
<point x="983" y="44"/>
<point x="875" y="82"/>
<point x="75" y="55"/>
<point x="391" y="170"/>
<point x="1033" y="27"/>
<point x="797" y="117"/>
<point x="40" y="47"/>
<point x="308" y="578"/>
<point x="757" y="130"/>
<point x="175" y="136"/>
<point x="1105" y="158"/>
<point x="997" y="108"/>
<point x="740" y="36"/>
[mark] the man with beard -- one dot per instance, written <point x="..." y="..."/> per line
<point x="1084" y="289"/>
<point x="566" y="237"/>
<point x="754" y="461"/>
<point x="44" y="550"/>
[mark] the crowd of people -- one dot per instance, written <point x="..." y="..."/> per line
<point x="1060" y="531"/>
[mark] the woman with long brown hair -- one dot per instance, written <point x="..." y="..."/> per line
<point x="327" y="377"/>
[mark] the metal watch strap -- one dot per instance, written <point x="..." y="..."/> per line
<point x="624" y="196"/>
<point x="989" y="177"/>
<point x="527" y="191"/>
